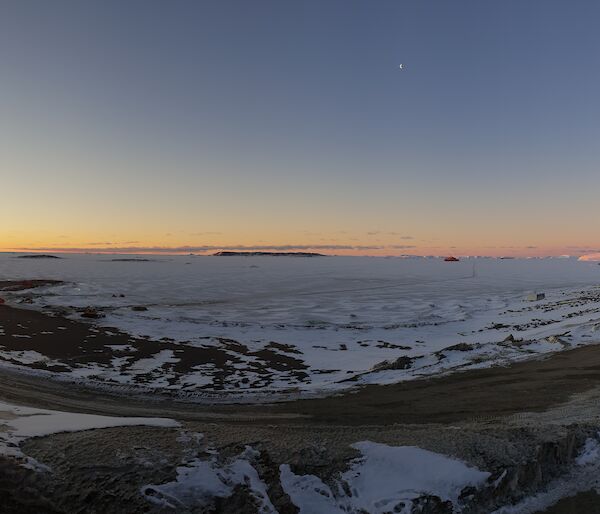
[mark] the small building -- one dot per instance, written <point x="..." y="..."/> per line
<point x="535" y="297"/>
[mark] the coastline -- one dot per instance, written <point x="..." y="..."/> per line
<point x="549" y="379"/>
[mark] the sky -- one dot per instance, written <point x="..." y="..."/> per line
<point x="195" y="126"/>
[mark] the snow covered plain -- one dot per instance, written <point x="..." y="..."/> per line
<point x="346" y="320"/>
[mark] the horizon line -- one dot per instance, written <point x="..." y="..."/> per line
<point x="204" y="253"/>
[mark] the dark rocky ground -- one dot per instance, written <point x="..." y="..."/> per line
<point x="587" y="502"/>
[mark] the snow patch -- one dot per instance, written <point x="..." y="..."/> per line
<point x="200" y="481"/>
<point x="20" y="423"/>
<point x="384" y="479"/>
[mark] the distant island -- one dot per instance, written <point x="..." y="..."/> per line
<point x="271" y="254"/>
<point x="38" y="256"/>
<point x="133" y="259"/>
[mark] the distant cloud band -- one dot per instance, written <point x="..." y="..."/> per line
<point x="194" y="249"/>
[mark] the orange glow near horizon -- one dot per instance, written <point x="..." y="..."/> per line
<point x="364" y="247"/>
